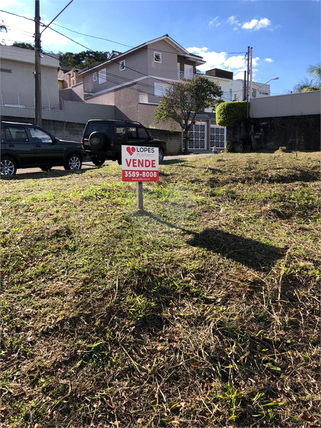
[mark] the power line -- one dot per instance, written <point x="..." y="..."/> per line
<point x="19" y="16"/>
<point x="74" y="41"/>
<point x="110" y="74"/>
<point x="93" y="37"/>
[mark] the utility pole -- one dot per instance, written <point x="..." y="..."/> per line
<point x="37" y="72"/>
<point x="38" y="100"/>
<point x="249" y="78"/>
<point x="244" y="88"/>
<point x="251" y="74"/>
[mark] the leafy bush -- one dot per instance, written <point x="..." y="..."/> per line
<point x="227" y="113"/>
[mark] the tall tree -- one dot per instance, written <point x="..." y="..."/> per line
<point x="314" y="84"/>
<point x="185" y="99"/>
<point x="315" y="72"/>
<point x="84" y="59"/>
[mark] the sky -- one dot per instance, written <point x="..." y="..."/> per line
<point x="285" y="34"/>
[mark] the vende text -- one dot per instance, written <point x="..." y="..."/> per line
<point x="140" y="163"/>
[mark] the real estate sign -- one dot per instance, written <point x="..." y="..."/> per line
<point x="140" y="163"/>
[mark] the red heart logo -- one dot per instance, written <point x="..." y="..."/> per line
<point x="130" y="150"/>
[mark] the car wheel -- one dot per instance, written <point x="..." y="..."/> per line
<point x="97" y="141"/>
<point x="74" y="162"/>
<point x="46" y="168"/>
<point x="7" y="166"/>
<point x="98" y="162"/>
<point x="160" y="155"/>
<point x="119" y="160"/>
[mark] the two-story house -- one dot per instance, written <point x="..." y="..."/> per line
<point x="134" y="81"/>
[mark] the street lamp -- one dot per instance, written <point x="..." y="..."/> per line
<point x="273" y="78"/>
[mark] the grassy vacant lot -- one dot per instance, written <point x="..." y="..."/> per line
<point x="201" y="312"/>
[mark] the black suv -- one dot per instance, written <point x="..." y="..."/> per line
<point x="24" y="145"/>
<point x="102" y="139"/>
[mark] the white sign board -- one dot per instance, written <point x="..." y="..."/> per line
<point x="140" y="163"/>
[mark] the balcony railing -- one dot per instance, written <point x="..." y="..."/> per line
<point x="25" y="101"/>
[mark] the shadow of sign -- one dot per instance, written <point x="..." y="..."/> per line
<point x="251" y="253"/>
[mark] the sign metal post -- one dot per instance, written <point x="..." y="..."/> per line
<point x="140" y="201"/>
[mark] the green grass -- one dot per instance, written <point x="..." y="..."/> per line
<point x="201" y="311"/>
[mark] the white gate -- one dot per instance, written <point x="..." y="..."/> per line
<point x="197" y="137"/>
<point x="218" y="137"/>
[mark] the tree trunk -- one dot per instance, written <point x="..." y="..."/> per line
<point x="185" y="141"/>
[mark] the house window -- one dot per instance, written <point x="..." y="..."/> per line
<point x="143" y="98"/>
<point x="188" y="71"/>
<point x="102" y="76"/>
<point x="95" y="77"/>
<point x="160" y="89"/>
<point x="122" y="65"/>
<point x="157" y="57"/>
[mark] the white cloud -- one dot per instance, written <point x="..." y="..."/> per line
<point x="21" y="29"/>
<point x="197" y="51"/>
<point x="235" y="63"/>
<point x="268" y="60"/>
<point x="256" y="24"/>
<point x="238" y="75"/>
<point x="214" y="22"/>
<point x="213" y="59"/>
<point x="233" y="21"/>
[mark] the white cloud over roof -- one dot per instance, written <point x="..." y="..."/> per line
<point x="223" y="60"/>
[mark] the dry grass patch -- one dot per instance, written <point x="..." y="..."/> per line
<point x="201" y="311"/>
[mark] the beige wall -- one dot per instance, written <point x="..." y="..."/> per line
<point x="103" y="99"/>
<point x="298" y="104"/>
<point x="168" y="67"/>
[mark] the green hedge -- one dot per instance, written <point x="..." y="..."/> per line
<point x="227" y="113"/>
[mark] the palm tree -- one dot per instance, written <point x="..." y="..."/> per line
<point x="315" y="71"/>
<point x="314" y="84"/>
<point x="306" y="85"/>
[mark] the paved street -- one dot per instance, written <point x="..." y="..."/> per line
<point x="90" y="165"/>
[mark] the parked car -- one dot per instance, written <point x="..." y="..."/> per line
<point x="24" y="145"/>
<point x="102" y="139"/>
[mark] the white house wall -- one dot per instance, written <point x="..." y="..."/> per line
<point x="232" y="89"/>
<point x="17" y="79"/>
<point x="298" y="104"/>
